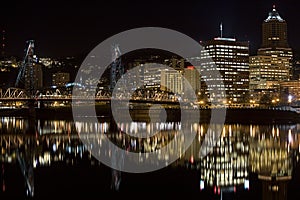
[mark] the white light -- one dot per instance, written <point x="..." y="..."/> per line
<point x="290" y="137"/>
<point x="246" y="184"/>
<point x="201" y="184"/>
<point x="290" y="97"/>
<point x="54" y="147"/>
<point x="225" y="39"/>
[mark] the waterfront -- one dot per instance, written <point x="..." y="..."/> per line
<point x="243" y="159"/>
<point x="257" y="115"/>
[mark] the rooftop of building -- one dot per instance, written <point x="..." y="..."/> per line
<point x="274" y="15"/>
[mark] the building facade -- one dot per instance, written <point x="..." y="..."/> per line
<point x="231" y="58"/>
<point x="171" y="81"/>
<point x="192" y="76"/>
<point x="273" y="61"/>
<point x="290" y="91"/>
<point x="60" y="78"/>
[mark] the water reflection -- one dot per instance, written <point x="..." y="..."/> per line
<point x="227" y="166"/>
<point x="269" y="151"/>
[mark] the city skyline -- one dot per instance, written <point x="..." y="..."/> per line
<point x="70" y="28"/>
<point x="217" y="117"/>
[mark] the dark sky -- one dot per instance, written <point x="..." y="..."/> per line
<point x="63" y="28"/>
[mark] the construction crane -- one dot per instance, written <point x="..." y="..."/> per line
<point x="116" y="70"/>
<point x="26" y="78"/>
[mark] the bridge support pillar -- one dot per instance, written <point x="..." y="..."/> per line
<point x="31" y="117"/>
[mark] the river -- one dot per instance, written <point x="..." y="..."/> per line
<point x="62" y="158"/>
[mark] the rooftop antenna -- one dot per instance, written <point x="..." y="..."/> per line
<point x="221" y="29"/>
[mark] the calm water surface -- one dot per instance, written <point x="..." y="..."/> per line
<point x="46" y="158"/>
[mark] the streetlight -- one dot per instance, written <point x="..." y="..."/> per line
<point x="273" y="101"/>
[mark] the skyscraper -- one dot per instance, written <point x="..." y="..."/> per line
<point x="273" y="61"/>
<point x="274" y="31"/>
<point x="232" y="60"/>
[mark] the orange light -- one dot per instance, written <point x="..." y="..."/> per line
<point x="190" y="67"/>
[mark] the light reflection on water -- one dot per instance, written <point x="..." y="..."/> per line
<point x="266" y="150"/>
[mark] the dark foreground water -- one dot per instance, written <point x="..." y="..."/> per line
<point x="47" y="159"/>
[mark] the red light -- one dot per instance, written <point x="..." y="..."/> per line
<point x="190" y="67"/>
<point x="234" y="189"/>
<point x="192" y="159"/>
<point x="215" y="189"/>
<point x="219" y="190"/>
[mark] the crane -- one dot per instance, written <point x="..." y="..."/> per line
<point x="116" y="70"/>
<point x="25" y="78"/>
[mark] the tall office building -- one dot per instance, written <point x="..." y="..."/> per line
<point x="231" y="58"/>
<point x="171" y="81"/>
<point x="269" y="67"/>
<point x="152" y="75"/>
<point x="33" y="79"/>
<point x="273" y="61"/>
<point x="274" y="31"/>
<point x="192" y="76"/>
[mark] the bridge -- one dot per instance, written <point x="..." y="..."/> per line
<point x="27" y="91"/>
<point x="12" y="95"/>
<point x="20" y="95"/>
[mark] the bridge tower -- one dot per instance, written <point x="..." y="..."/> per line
<point x="116" y="70"/>
<point x="26" y="77"/>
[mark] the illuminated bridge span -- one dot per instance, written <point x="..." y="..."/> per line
<point x="17" y="94"/>
<point x="13" y="95"/>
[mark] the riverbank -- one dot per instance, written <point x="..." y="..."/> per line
<point x="233" y="115"/>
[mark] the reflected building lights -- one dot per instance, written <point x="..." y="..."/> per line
<point x="240" y="150"/>
<point x="227" y="165"/>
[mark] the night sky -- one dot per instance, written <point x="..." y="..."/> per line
<point x="67" y="28"/>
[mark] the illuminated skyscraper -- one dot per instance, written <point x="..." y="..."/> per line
<point x="274" y="31"/>
<point x="232" y="60"/>
<point x="273" y="61"/>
